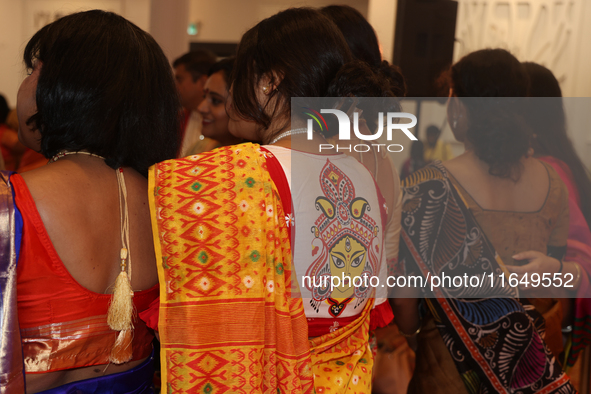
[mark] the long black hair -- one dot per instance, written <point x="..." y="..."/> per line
<point x="106" y="87"/>
<point x="549" y="126"/>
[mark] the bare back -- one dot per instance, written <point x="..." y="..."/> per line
<point x="77" y="199"/>
<point x="490" y="192"/>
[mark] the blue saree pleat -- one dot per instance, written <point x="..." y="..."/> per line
<point x="137" y="380"/>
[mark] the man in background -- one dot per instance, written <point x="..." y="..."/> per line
<point x="190" y="73"/>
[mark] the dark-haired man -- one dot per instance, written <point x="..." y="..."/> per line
<point x="190" y="73"/>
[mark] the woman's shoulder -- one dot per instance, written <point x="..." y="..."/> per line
<point x="557" y="191"/>
<point x="559" y="169"/>
<point x="44" y="184"/>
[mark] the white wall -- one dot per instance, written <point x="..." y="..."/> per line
<point x="554" y="33"/>
<point x="166" y="20"/>
<point x="168" y="26"/>
<point x="11" y="46"/>
<point x="382" y="16"/>
<point x="227" y="20"/>
<point x="20" y="19"/>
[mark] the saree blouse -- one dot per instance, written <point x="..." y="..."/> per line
<point x="63" y="325"/>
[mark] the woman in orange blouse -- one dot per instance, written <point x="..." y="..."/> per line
<point x="100" y="103"/>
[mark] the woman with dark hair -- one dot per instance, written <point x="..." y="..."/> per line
<point x="225" y="222"/>
<point x="552" y="145"/>
<point x="475" y="215"/>
<point x="100" y="103"/>
<point x="213" y="107"/>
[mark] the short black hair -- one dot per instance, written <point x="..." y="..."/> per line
<point x="106" y="87"/>
<point x="542" y="82"/>
<point x="197" y="62"/>
<point x="227" y="66"/>
<point x="489" y="73"/>
<point x="498" y="129"/>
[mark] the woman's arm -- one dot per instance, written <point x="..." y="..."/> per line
<point x="538" y="263"/>
<point x="406" y="314"/>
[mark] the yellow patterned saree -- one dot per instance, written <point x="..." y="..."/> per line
<point x="228" y="322"/>
<point x="342" y="360"/>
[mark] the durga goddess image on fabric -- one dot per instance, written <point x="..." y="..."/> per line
<point x="345" y="245"/>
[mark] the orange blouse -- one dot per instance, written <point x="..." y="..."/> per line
<point x="63" y="325"/>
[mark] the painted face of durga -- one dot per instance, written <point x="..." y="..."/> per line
<point x="346" y="242"/>
<point x="347" y="260"/>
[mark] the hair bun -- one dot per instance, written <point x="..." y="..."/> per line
<point x="499" y="133"/>
<point x="356" y="78"/>
<point x="394" y="76"/>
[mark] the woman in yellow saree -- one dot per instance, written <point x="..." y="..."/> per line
<point x="233" y="232"/>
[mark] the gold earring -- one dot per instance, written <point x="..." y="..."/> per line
<point x="266" y="89"/>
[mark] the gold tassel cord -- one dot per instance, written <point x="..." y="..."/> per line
<point x="122" y="350"/>
<point x="121" y="310"/>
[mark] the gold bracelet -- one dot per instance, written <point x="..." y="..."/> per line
<point x="411" y="335"/>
